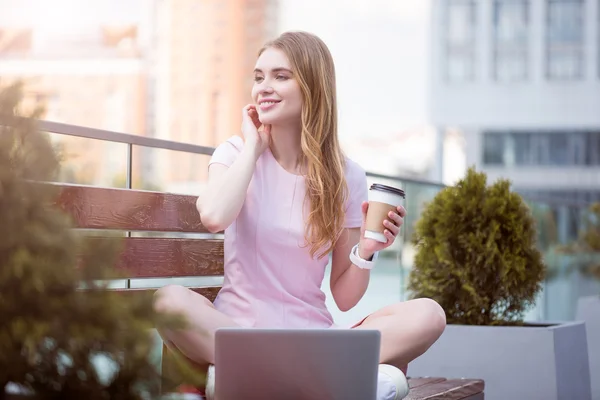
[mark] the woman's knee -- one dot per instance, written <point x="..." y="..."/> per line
<point x="432" y="317"/>
<point x="174" y="299"/>
<point x="426" y="317"/>
<point x="169" y="298"/>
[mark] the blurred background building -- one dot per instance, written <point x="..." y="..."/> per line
<point x="520" y="80"/>
<point x="206" y="50"/>
<point x="192" y="62"/>
<point x="177" y="70"/>
<point x="91" y="75"/>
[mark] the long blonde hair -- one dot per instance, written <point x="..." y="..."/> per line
<point x="326" y="187"/>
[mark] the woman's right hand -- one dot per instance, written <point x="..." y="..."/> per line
<point x="254" y="135"/>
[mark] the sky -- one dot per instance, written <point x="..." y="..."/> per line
<point x="381" y="52"/>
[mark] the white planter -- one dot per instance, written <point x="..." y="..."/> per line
<point x="538" y="361"/>
<point x="588" y="310"/>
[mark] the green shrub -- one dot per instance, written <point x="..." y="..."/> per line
<point x="51" y="331"/>
<point x="476" y="253"/>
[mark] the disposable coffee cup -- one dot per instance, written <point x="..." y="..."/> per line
<point x="382" y="200"/>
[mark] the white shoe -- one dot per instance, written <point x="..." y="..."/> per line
<point x="391" y="383"/>
<point x="209" y="391"/>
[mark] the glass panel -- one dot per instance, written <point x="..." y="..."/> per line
<point x="418" y="195"/>
<point x="91" y="162"/>
<point x="593" y="148"/>
<point x="522" y="148"/>
<point x="565" y="39"/>
<point x="558" y="148"/>
<point x="511" y="39"/>
<point x="493" y="148"/>
<point x="460" y="40"/>
<point x="577" y="148"/>
<point x="169" y="171"/>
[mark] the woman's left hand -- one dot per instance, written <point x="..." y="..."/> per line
<point x="367" y="247"/>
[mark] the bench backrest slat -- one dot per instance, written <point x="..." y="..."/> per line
<point x="143" y="257"/>
<point x="128" y="209"/>
<point x="209" y="292"/>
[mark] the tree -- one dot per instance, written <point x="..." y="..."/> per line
<point x="476" y="253"/>
<point x="51" y="331"/>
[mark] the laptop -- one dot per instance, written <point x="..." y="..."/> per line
<point x="296" y="364"/>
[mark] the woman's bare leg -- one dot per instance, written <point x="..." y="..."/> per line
<point x="407" y="329"/>
<point x="198" y="342"/>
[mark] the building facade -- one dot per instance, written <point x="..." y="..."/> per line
<point x="206" y="50"/>
<point x="88" y="75"/>
<point x="521" y="80"/>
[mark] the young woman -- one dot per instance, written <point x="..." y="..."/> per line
<point x="287" y="199"/>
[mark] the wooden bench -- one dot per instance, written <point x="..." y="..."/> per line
<point x="164" y="255"/>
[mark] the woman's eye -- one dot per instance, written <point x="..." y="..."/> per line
<point x="258" y="78"/>
<point x="282" y="77"/>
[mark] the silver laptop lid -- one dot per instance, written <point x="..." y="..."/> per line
<point x="292" y="364"/>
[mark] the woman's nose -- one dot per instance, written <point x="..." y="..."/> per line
<point x="266" y="88"/>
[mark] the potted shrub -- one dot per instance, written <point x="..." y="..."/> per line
<point x="586" y="252"/>
<point x="476" y="255"/>
<point x="54" y="335"/>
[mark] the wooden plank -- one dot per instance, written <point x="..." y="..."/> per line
<point x="416" y="382"/>
<point x="127" y="209"/>
<point x="144" y="257"/>
<point x="453" y="389"/>
<point x="209" y="292"/>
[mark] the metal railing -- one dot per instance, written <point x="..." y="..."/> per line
<point x="137" y="140"/>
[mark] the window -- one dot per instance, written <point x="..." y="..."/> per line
<point x="493" y="148"/>
<point x="577" y="148"/>
<point x="574" y="195"/>
<point x="511" y="38"/>
<point x="558" y="148"/>
<point x="539" y="149"/>
<point x="564" y="41"/>
<point x="593" y="147"/>
<point x="460" y="40"/>
<point x="522" y="146"/>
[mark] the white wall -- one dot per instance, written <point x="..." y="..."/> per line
<point x="535" y="103"/>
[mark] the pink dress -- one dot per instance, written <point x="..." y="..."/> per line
<point x="271" y="281"/>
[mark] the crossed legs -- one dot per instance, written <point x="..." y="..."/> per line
<point x="407" y="329"/>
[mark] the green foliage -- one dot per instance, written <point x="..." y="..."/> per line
<point x="51" y="331"/>
<point x="476" y="253"/>
<point x="587" y="247"/>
